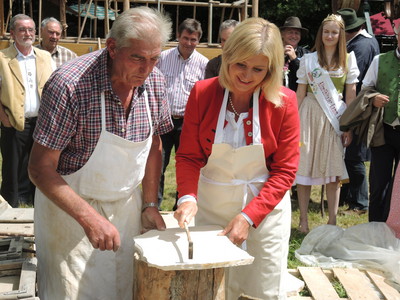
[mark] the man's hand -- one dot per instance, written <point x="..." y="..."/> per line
<point x="152" y="219"/>
<point x="102" y="234"/>
<point x="380" y="100"/>
<point x="347" y="137"/>
<point x="290" y="52"/>
<point x="185" y="213"/>
<point x="237" y="230"/>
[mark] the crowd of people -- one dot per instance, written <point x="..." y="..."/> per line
<point x="95" y="133"/>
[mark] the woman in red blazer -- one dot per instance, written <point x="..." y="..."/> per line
<point x="238" y="157"/>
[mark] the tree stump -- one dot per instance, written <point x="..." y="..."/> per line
<point x="154" y="283"/>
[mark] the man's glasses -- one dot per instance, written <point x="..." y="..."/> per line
<point x="29" y="30"/>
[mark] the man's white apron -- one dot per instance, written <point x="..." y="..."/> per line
<point x="69" y="267"/>
<point x="231" y="178"/>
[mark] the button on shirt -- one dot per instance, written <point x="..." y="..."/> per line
<point x="180" y="76"/>
<point x="27" y="65"/>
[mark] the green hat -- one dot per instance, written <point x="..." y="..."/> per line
<point x="350" y="18"/>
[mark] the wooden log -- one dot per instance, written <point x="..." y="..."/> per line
<point x="154" y="283"/>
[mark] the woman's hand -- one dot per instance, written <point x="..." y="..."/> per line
<point x="185" y="213"/>
<point x="237" y="230"/>
<point x="347" y="137"/>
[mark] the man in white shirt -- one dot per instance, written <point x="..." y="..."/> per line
<point x="383" y="75"/>
<point x="23" y="72"/>
<point x="182" y="67"/>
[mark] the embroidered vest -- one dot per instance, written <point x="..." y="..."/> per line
<point x="388" y="83"/>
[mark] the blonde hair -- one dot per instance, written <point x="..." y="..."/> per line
<point x="252" y="37"/>
<point x="339" y="59"/>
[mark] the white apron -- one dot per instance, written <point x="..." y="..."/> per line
<point x="69" y="267"/>
<point x="226" y="184"/>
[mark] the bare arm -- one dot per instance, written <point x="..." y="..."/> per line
<point x="42" y="171"/>
<point x="350" y="93"/>
<point x="301" y="92"/>
<point x="151" y="218"/>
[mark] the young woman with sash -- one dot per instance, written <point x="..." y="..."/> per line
<point x="327" y="81"/>
<point x="238" y="157"/>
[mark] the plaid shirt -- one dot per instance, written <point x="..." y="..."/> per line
<point x="60" y="55"/>
<point x="70" y="113"/>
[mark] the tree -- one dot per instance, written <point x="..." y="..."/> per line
<point x="310" y="12"/>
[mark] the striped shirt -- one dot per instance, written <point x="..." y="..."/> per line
<point x="60" y="55"/>
<point x="70" y="112"/>
<point x="181" y="75"/>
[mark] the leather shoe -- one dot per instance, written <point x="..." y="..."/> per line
<point x="354" y="211"/>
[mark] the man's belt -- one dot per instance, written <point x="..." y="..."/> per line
<point x="30" y="120"/>
<point x="177" y="117"/>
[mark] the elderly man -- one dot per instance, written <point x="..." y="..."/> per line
<point x="225" y="30"/>
<point x="383" y="76"/>
<point x="23" y="73"/>
<point x="182" y="67"/>
<point x="292" y="32"/>
<point x="51" y="32"/>
<point x="97" y="150"/>
<point x="365" y="47"/>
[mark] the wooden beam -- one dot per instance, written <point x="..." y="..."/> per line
<point x="2" y="26"/>
<point x="255" y="8"/>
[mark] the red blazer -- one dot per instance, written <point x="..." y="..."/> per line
<point x="279" y="136"/>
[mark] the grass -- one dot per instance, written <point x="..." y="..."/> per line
<point x="314" y="214"/>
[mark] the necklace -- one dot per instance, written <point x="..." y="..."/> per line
<point x="233" y="108"/>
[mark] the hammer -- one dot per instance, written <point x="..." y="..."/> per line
<point x="189" y="240"/>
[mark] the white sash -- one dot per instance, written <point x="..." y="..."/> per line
<point x="324" y="91"/>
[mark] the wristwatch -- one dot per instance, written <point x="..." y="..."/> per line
<point x="149" y="204"/>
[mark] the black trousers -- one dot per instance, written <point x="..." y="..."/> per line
<point x="15" y="148"/>
<point x="384" y="160"/>
<point x="169" y="140"/>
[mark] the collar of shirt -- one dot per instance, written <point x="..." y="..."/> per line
<point x="56" y="51"/>
<point x="180" y="56"/>
<point x="363" y="33"/>
<point x="20" y="55"/>
<point x="104" y="75"/>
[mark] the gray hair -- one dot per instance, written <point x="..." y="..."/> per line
<point x="140" y="23"/>
<point x="50" y="20"/>
<point x="228" y="24"/>
<point x="19" y="17"/>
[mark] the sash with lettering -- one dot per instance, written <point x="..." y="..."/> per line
<point x="324" y="91"/>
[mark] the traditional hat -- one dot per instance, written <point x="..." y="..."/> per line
<point x="294" y="22"/>
<point x="350" y="18"/>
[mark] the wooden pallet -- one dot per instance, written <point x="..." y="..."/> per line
<point x="358" y="284"/>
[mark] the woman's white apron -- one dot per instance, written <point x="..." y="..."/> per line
<point x="69" y="267"/>
<point x="230" y="179"/>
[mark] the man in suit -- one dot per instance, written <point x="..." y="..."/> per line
<point x="23" y="72"/>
